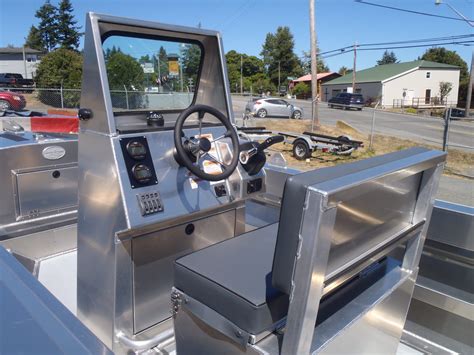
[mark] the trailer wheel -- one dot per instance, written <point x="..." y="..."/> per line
<point x="301" y="150"/>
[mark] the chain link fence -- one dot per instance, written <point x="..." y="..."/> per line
<point x="44" y="99"/>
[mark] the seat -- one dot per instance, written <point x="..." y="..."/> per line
<point x="247" y="279"/>
<point x="234" y="278"/>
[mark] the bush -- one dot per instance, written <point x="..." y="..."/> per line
<point x="411" y="110"/>
<point x="60" y="68"/>
<point x="301" y="90"/>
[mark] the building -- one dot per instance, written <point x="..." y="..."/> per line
<point x="15" y="60"/>
<point x="414" y="84"/>
<point x="321" y="77"/>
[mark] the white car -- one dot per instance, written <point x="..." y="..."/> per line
<point x="273" y="107"/>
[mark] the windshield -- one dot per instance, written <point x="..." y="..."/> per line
<point x="151" y="74"/>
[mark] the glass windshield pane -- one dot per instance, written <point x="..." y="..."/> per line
<point x="151" y="74"/>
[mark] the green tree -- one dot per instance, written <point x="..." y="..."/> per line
<point x="306" y="62"/>
<point x="162" y="62"/>
<point x="124" y="70"/>
<point x="251" y="66"/>
<point x="344" y="70"/>
<point x="191" y="60"/>
<point x="67" y="29"/>
<point x="60" y="68"/>
<point x="301" y="90"/>
<point x="388" y="58"/>
<point x="34" y="40"/>
<point x="444" y="89"/>
<point x="279" y="57"/>
<point x="48" y="28"/>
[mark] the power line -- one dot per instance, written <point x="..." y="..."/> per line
<point x="410" y="11"/>
<point x="464" y="43"/>
<point x="417" y="46"/>
<point x="433" y="39"/>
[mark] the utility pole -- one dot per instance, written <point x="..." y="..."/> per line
<point x="469" y="88"/>
<point x="314" y="66"/>
<point x="24" y="62"/>
<point x="279" y="76"/>
<point x="471" y="77"/>
<point x="354" y="68"/>
<point x="241" y="77"/>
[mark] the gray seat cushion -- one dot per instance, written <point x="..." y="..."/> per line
<point x="234" y="279"/>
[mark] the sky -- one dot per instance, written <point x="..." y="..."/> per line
<point x="245" y="23"/>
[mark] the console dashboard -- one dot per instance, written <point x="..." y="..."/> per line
<point x="156" y="188"/>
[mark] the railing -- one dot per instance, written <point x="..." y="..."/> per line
<point x="423" y="102"/>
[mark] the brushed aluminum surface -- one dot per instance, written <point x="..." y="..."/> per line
<point x="153" y="258"/>
<point x="26" y="183"/>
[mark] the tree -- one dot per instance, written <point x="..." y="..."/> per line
<point x="191" y="60"/>
<point x="124" y="70"/>
<point x="60" y="68"/>
<point x="67" y="29"/>
<point x="251" y="68"/>
<point x="344" y="70"/>
<point x="444" y="89"/>
<point x="301" y="90"/>
<point x="48" y="28"/>
<point x="34" y="39"/>
<point x="278" y="56"/>
<point x="388" y="58"/>
<point x="306" y="62"/>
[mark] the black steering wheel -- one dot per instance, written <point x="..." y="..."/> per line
<point x="197" y="148"/>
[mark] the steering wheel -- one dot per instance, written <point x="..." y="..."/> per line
<point x="199" y="147"/>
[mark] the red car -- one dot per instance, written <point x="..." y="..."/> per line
<point x="11" y="101"/>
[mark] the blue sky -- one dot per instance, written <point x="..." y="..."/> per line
<point x="244" y="23"/>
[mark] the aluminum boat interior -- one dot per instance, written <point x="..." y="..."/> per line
<point x="160" y="229"/>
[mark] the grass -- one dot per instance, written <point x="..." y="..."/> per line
<point x="458" y="162"/>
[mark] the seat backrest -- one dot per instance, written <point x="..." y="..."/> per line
<point x="293" y="204"/>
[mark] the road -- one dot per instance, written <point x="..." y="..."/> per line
<point x="422" y="129"/>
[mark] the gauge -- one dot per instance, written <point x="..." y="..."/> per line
<point x="142" y="173"/>
<point x="136" y="150"/>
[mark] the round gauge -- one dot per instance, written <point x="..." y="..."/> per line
<point x="142" y="173"/>
<point x="136" y="150"/>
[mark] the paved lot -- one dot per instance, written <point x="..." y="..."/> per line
<point x="423" y="129"/>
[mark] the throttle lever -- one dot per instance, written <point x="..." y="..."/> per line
<point x="269" y="142"/>
<point x="245" y="156"/>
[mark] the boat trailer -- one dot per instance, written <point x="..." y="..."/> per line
<point x="304" y="144"/>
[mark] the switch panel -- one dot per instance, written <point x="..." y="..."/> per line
<point x="149" y="203"/>
<point x="220" y="190"/>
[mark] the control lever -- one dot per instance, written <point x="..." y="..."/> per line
<point x="245" y="156"/>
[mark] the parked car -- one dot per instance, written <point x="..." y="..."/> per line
<point x="14" y="80"/>
<point x="346" y="101"/>
<point x="273" y="108"/>
<point x="11" y="101"/>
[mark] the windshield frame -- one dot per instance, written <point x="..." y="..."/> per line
<point x="154" y="37"/>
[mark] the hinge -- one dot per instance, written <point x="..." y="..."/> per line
<point x="175" y="302"/>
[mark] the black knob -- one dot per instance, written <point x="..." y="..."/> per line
<point x="84" y="114"/>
